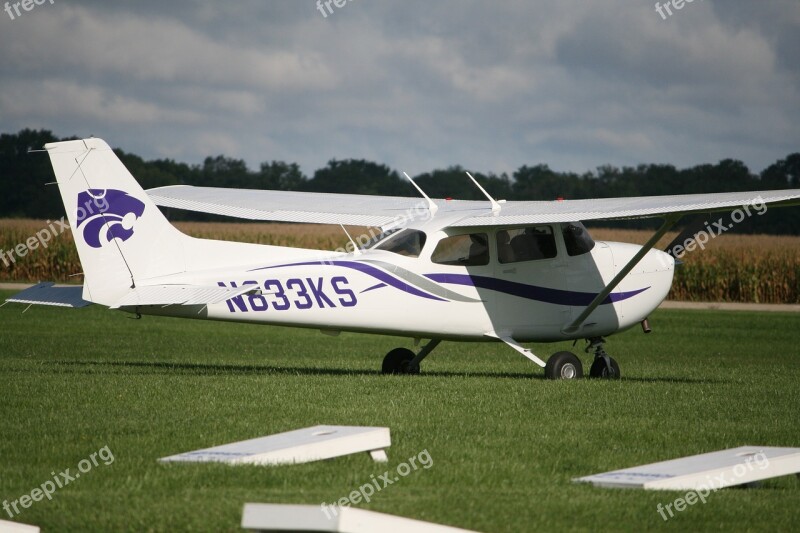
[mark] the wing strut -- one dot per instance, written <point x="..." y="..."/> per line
<point x="669" y="222"/>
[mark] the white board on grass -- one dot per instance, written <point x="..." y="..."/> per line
<point x="298" y="446"/>
<point x="707" y="471"/>
<point x="283" y="517"/>
<point x="16" y="527"/>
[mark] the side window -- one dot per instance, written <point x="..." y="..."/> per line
<point x="526" y="244"/>
<point x="407" y="242"/>
<point x="463" y="250"/>
<point x="577" y="238"/>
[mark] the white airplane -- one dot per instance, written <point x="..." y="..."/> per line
<point x="511" y="272"/>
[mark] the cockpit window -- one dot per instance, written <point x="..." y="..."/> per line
<point x="463" y="250"/>
<point x="379" y="238"/>
<point x="577" y="238"/>
<point x="407" y="242"/>
<point x="526" y="244"/>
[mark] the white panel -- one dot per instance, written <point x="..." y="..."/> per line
<point x="299" y="446"/>
<point x="16" y="527"/>
<point x="283" y="517"/>
<point x="715" y="470"/>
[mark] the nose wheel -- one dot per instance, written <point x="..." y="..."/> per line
<point x="604" y="366"/>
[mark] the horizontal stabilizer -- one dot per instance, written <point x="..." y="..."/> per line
<point x="180" y="295"/>
<point x="48" y="294"/>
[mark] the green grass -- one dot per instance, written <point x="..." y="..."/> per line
<point x="505" y="443"/>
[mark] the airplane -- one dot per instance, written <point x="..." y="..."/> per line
<point x="439" y="270"/>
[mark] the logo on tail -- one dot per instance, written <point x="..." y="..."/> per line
<point x="111" y="210"/>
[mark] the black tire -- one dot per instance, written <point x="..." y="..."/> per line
<point x="599" y="369"/>
<point x="563" y="365"/>
<point x="398" y="361"/>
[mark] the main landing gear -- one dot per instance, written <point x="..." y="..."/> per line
<point x="566" y="365"/>
<point x="404" y="361"/>
<point x="561" y="365"/>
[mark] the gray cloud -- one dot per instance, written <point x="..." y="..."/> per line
<point x="417" y="85"/>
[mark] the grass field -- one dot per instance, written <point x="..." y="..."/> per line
<point x="504" y="442"/>
<point x="731" y="268"/>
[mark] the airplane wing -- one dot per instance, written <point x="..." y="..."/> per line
<point x="633" y="207"/>
<point x="286" y="206"/>
<point x="381" y="211"/>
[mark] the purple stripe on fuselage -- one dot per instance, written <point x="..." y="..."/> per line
<point x="531" y="292"/>
<point x="378" y="286"/>
<point x="370" y="270"/>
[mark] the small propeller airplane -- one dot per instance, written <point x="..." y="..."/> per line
<point x="511" y="272"/>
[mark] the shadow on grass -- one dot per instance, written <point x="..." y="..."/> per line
<point x="216" y="369"/>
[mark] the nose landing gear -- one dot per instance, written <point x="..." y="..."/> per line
<point x="604" y="366"/>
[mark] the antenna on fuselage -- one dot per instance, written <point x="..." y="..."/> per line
<point x="495" y="204"/>
<point x="432" y="207"/>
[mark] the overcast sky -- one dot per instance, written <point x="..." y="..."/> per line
<point x="415" y="84"/>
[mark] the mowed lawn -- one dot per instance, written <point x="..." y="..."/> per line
<point x="504" y="442"/>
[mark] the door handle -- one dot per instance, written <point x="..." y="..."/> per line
<point x="510" y="271"/>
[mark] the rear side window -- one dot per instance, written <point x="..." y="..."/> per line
<point x="462" y="250"/>
<point x="526" y="244"/>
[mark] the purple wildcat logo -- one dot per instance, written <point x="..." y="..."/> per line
<point x="110" y="210"/>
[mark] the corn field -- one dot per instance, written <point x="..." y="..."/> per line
<point x="732" y="268"/>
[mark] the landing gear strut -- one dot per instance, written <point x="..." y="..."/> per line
<point x="404" y="361"/>
<point x="604" y="366"/>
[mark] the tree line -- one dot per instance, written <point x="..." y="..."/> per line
<point x="23" y="175"/>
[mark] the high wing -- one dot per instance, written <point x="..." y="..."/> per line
<point x="381" y="211"/>
<point x="286" y="206"/>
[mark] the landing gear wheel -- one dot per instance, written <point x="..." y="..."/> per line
<point x="600" y="369"/>
<point x="398" y="361"/>
<point x="563" y="365"/>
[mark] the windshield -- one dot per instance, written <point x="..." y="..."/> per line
<point x="407" y="242"/>
<point x="577" y="238"/>
<point x="379" y="238"/>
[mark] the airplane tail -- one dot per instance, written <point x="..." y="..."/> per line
<point x="122" y="237"/>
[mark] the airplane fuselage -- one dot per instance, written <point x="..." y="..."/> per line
<point x="422" y="296"/>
